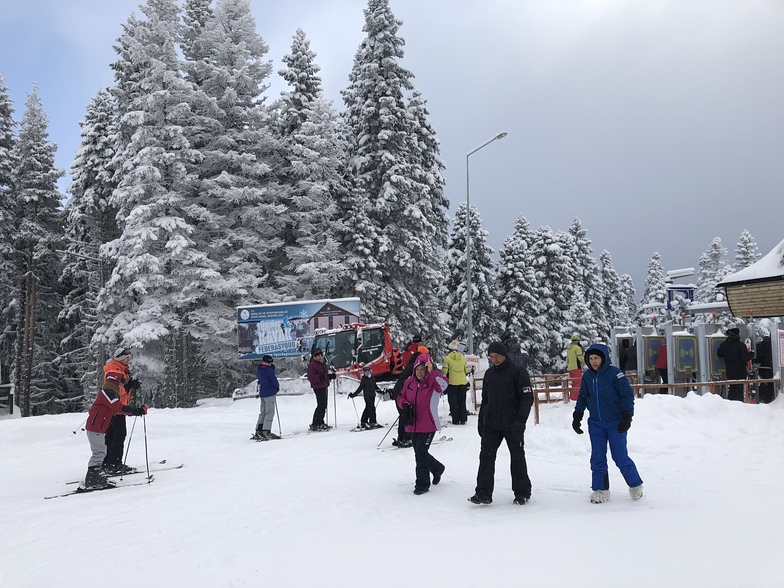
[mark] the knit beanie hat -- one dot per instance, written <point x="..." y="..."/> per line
<point x="497" y="347"/>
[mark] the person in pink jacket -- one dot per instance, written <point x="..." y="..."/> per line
<point x="418" y="402"/>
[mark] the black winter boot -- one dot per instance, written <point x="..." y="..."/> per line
<point x="96" y="479"/>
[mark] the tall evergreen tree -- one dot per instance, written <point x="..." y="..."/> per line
<point x="654" y="297"/>
<point x="89" y="223"/>
<point x="39" y="233"/>
<point x="399" y="225"/>
<point x="589" y="276"/>
<point x="520" y="309"/>
<point x="615" y="301"/>
<point x="9" y="287"/>
<point x="236" y="191"/>
<point x="484" y="301"/>
<point x="309" y="265"/>
<point x="713" y="268"/>
<point x="551" y="262"/>
<point x="746" y="251"/>
<point x="161" y="275"/>
<point x="631" y="295"/>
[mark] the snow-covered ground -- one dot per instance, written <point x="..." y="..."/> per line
<point x="330" y="509"/>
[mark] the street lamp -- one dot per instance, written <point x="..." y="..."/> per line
<point x="470" y="326"/>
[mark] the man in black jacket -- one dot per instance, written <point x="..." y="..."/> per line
<point x="736" y="357"/>
<point x="507" y="398"/>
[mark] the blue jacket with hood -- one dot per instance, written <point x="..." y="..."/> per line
<point x="605" y="392"/>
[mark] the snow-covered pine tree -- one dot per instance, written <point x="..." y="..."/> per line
<point x="484" y="300"/>
<point x="520" y="310"/>
<point x="236" y="192"/>
<point x="616" y="303"/>
<point x="312" y="148"/>
<point x="554" y="271"/>
<point x="579" y="320"/>
<point x="9" y="290"/>
<point x="654" y="297"/>
<point x="89" y="223"/>
<point x="592" y="286"/>
<point x="627" y="283"/>
<point x="398" y="231"/>
<point x="39" y="234"/>
<point x="713" y="269"/>
<point x="746" y="251"/>
<point x="162" y="275"/>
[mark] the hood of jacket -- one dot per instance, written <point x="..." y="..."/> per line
<point x="600" y="348"/>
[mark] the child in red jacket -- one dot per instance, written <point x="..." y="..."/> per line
<point x="106" y="405"/>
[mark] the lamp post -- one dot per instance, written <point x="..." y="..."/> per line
<point x="469" y="317"/>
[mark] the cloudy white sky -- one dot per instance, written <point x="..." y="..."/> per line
<point x="658" y="123"/>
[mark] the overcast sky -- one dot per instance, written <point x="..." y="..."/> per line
<point x="660" y="124"/>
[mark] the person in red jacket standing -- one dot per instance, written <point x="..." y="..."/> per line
<point x="105" y="408"/>
<point x="418" y="402"/>
<point x="116" y="373"/>
<point x="661" y="367"/>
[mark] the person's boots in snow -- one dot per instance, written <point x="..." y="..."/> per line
<point x="270" y="435"/>
<point x="635" y="492"/>
<point x="599" y="496"/>
<point x="96" y="479"/>
<point x="258" y="435"/>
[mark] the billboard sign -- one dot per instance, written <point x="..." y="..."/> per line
<point x="287" y="329"/>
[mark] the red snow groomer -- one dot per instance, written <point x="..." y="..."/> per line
<point x="350" y="347"/>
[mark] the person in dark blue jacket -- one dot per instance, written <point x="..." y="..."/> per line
<point x="606" y="393"/>
<point x="268" y="388"/>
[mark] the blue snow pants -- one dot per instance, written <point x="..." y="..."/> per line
<point x="602" y="432"/>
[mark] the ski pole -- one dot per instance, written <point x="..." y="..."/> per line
<point x="81" y="427"/>
<point x="389" y="431"/>
<point x="128" y="448"/>
<point x="355" y="408"/>
<point x="146" y="458"/>
<point x="277" y="414"/>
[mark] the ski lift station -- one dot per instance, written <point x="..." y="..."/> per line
<point x="754" y="296"/>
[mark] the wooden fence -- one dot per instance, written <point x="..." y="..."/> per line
<point x="550" y="388"/>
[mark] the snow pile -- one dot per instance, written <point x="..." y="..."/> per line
<point x="330" y="509"/>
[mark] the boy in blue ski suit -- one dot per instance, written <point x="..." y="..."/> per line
<point x="606" y="393"/>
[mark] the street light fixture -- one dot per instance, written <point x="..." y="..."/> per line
<point x="470" y="325"/>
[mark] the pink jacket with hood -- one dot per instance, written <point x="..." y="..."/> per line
<point x="424" y="396"/>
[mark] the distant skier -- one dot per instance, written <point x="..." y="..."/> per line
<point x="368" y="388"/>
<point x="319" y="377"/>
<point x="609" y="398"/>
<point x="268" y="388"/>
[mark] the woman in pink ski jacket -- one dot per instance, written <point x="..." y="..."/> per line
<point x="418" y="402"/>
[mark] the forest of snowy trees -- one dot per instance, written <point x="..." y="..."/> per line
<point x="194" y="192"/>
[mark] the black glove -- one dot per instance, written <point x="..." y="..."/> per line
<point x="133" y="384"/>
<point x="331" y="375"/>
<point x="353" y="395"/>
<point x="576" y="418"/>
<point x="141" y="411"/>
<point x="407" y="415"/>
<point x="626" y="422"/>
<point x="518" y="430"/>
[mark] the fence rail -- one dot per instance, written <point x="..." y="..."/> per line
<point x="556" y="387"/>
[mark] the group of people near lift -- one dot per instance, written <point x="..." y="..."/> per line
<point x="507" y="398"/>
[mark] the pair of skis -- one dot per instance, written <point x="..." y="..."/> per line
<point x="442" y="439"/>
<point x="147" y="480"/>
